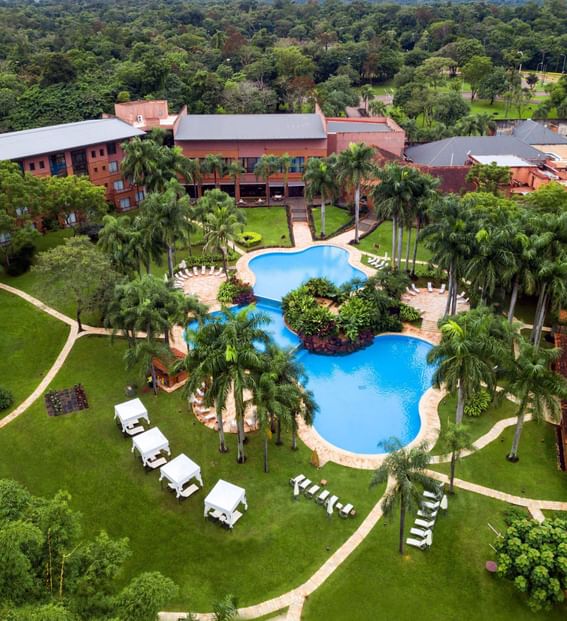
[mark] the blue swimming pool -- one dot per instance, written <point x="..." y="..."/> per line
<point x="277" y="273"/>
<point x="371" y="395"/>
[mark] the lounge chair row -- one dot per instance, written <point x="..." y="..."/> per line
<point x="378" y="263"/>
<point x="426" y="517"/>
<point x="184" y="274"/>
<point x="324" y="497"/>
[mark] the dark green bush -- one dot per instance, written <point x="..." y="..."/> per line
<point x="478" y="403"/>
<point x="6" y="399"/>
<point x="322" y="288"/>
<point x="409" y="313"/>
<point x="305" y="316"/>
<point x="20" y="261"/>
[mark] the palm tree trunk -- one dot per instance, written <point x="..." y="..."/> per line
<point x="513" y="299"/>
<point x="294" y="435"/>
<point x="322" y="218"/>
<point x="266" y="467"/>
<point x="400" y="244"/>
<point x="394" y="238"/>
<point x="222" y="444"/>
<point x="415" y="243"/>
<point x="241" y="457"/>
<point x="513" y="455"/>
<point x="268" y="191"/>
<point x="154" y="378"/>
<point x="450" y="287"/>
<point x="452" y="475"/>
<point x="454" y="296"/>
<point x="540" y="318"/>
<point x="408" y="246"/>
<point x="224" y="262"/>
<point x="79" y="311"/>
<point x="402" y="525"/>
<point x="356" y="212"/>
<point x="460" y="404"/>
<point x="170" y="260"/>
<point x="278" y="432"/>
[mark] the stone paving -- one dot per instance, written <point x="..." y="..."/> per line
<point x="205" y="287"/>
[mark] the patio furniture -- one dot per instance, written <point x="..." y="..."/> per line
<point x="323" y="496"/>
<point x="134" y="430"/>
<point x="331" y="503"/>
<point x="179" y="471"/>
<point x="219" y="271"/>
<point x="312" y="491"/>
<point x="414" y="288"/>
<point x="155" y="462"/>
<point x="419" y="532"/>
<point x="429" y="287"/>
<point x="297" y="479"/>
<point x="212" y="270"/>
<point x="429" y="515"/>
<point x="425" y="523"/>
<point x="430" y="495"/>
<point x="346" y="511"/>
<point x="129" y="414"/>
<point x="149" y="444"/>
<point x="195" y="270"/>
<point x="431" y="505"/>
<point x="203" y="269"/>
<point x="408" y="290"/>
<point x="304" y="484"/>
<point x="442" y="289"/>
<point x="422" y="544"/>
<point x="461" y="295"/>
<point x="225" y="498"/>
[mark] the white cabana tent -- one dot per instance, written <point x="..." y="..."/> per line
<point x="150" y="443"/>
<point x="179" y="471"/>
<point x="130" y="412"/>
<point x="223" y="500"/>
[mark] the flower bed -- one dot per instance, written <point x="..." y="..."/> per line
<point x="65" y="401"/>
<point x="235" y="291"/>
<point x="250" y="238"/>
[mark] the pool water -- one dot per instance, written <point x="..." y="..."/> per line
<point x="277" y="273"/>
<point x="370" y="395"/>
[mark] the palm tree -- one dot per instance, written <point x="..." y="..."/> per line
<point x="235" y="170"/>
<point x="466" y="356"/>
<point x="536" y="386"/>
<point x="169" y="216"/>
<point x="406" y="467"/>
<point x="366" y="94"/>
<point x="224" y="223"/>
<point x="355" y="166"/>
<point x="377" y="108"/>
<point x="115" y="240"/>
<point x="214" y="165"/>
<point x="320" y="180"/>
<point x="143" y="354"/>
<point x="140" y="161"/>
<point x="457" y="438"/>
<point x="194" y="172"/>
<point x="265" y="167"/>
<point x="285" y="161"/>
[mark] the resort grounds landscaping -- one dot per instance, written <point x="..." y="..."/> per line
<point x="379" y="242"/>
<point x="270" y="222"/>
<point x="335" y="219"/>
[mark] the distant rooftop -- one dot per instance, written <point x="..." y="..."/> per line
<point x="456" y="151"/>
<point x="250" y="127"/>
<point x="30" y="142"/>
<point x="357" y="126"/>
<point x="509" y="161"/>
<point x="531" y="132"/>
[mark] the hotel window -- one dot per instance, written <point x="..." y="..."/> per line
<point x="249" y="163"/>
<point x="104" y="167"/>
<point x="297" y="165"/>
<point x="21" y="211"/>
<point x="5" y="238"/>
<point x="41" y="164"/>
<point x="101" y="152"/>
<point x="112" y="167"/>
<point x="72" y="218"/>
<point x="124" y="203"/>
<point x="111" y="148"/>
<point x="118" y="185"/>
<point x="32" y="166"/>
<point x="140" y="195"/>
<point x="226" y="161"/>
<point x="93" y="153"/>
<point x="96" y="168"/>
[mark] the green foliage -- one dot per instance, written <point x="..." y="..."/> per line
<point x="226" y="609"/>
<point x="6" y="399"/>
<point x="533" y="557"/>
<point x="322" y="288"/>
<point x="145" y="596"/>
<point x="249" y="239"/>
<point x="478" y="403"/>
<point x="305" y="316"/>
<point x="233" y="291"/>
<point x="409" y="313"/>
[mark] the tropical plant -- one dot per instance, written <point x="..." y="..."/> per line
<point x="142" y="355"/>
<point x="320" y="180"/>
<point x="235" y="170"/>
<point x="457" y="438"/>
<point x="214" y="165"/>
<point x="119" y="241"/>
<point x="354" y="168"/>
<point x="140" y="161"/>
<point x="478" y="403"/>
<point x="535" y="385"/>
<point x="266" y="167"/>
<point x="226" y="609"/>
<point x="6" y="398"/>
<point x="406" y="469"/>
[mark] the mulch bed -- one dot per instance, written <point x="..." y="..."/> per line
<point x="65" y="401"/>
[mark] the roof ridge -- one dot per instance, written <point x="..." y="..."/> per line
<point x="57" y="126"/>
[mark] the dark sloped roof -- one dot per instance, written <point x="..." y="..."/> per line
<point x="30" y="142"/>
<point x="250" y="127"/>
<point x="531" y="132"/>
<point x="356" y="127"/>
<point x="455" y="151"/>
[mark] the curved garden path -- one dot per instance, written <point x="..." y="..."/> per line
<point x="292" y="600"/>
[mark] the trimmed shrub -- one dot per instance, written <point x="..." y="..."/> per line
<point x="322" y="288"/>
<point x="20" y="261"/>
<point x="355" y="316"/>
<point x="250" y="238"/>
<point x="305" y="316"/>
<point x="235" y="291"/>
<point x="409" y="313"/>
<point x="6" y="399"/>
<point x="209" y="259"/>
<point x="478" y="403"/>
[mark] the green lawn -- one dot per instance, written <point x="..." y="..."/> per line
<point x="30" y="341"/>
<point x="277" y="545"/>
<point x="380" y="241"/>
<point x="270" y="222"/>
<point x="478" y="425"/>
<point x="534" y="476"/>
<point x="447" y="582"/>
<point x="335" y="218"/>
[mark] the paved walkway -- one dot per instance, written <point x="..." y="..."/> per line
<point x="302" y="234"/>
<point x="364" y="225"/>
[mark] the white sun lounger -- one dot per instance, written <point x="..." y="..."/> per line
<point x="156" y="463"/>
<point x="219" y="271"/>
<point x="346" y="510"/>
<point x="133" y="431"/>
<point x="210" y="417"/>
<point x="203" y="269"/>
<point x="323" y="496"/>
<point x="428" y="515"/>
<point x="443" y="288"/>
<point x="312" y="491"/>
<point x="212" y="270"/>
<point x="195" y="270"/>
<point x="429" y="287"/>
<point x="461" y="295"/>
<point x="417" y="543"/>
<point x="414" y="288"/>
<point x="419" y="532"/>
<point x="187" y="273"/>
<point x="297" y="479"/>
<point x="202" y="410"/>
<point x="200" y="392"/>
<point x="431" y="505"/>
<point x="189" y="491"/>
<point x="305" y="484"/>
<point x="425" y="523"/>
<point x="331" y="503"/>
<point x="408" y="290"/>
<point x="431" y="495"/>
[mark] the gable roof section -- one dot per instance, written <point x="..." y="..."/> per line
<point x="30" y="142"/>
<point x="356" y="127"/>
<point x="455" y="151"/>
<point x="250" y="127"/>
<point x="531" y="132"/>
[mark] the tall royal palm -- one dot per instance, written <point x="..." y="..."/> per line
<point x="354" y="167"/>
<point x="457" y="439"/>
<point x="168" y="214"/>
<point x="140" y="161"/>
<point x="536" y="386"/>
<point x="286" y="162"/>
<point x="214" y="165"/>
<point x="235" y="170"/>
<point x="223" y="223"/>
<point x="320" y="181"/>
<point x="115" y="240"/>
<point x="466" y="356"/>
<point x="406" y="468"/>
<point x="267" y="166"/>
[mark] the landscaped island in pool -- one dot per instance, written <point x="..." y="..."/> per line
<point x="277" y="273"/>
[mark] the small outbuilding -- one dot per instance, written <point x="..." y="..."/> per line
<point x="223" y="501"/>
<point x="150" y="444"/>
<point x="130" y="412"/>
<point x="179" y="471"/>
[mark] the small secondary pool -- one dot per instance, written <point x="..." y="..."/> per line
<point x="277" y="273"/>
<point x="371" y="395"/>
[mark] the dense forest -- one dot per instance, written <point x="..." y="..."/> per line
<point x="67" y="60"/>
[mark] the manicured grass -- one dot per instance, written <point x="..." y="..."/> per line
<point x="477" y="425"/>
<point x="30" y="341"/>
<point x="277" y="545"/>
<point x="534" y="476"/>
<point x="335" y="218"/>
<point x="380" y="241"/>
<point x="447" y="582"/>
<point x="270" y="222"/>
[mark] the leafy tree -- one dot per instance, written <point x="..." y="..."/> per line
<point x="78" y="271"/>
<point x="145" y="596"/>
<point x="493" y="84"/>
<point x="449" y="108"/>
<point x="532" y="557"/>
<point x="67" y="195"/>
<point x="433" y="71"/>
<point x="336" y="94"/>
<point x="140" y="160"/>
<point x="320" y="180"/>
<point x="475" y="70"/>
<point x="406" y="468"/>
<point x="457" y="438"/>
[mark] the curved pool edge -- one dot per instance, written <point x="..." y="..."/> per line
<point x="429" y="430"/>
<point x="247" y="274"/>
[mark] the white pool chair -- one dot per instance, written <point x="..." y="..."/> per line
<point x="187" y="273"/>
<point x="312" y="491"/>
<point x="461" y="295"/>
<point x="442" y="289"/>
<point x="408" y="290"/>
<point x="346" y="510"/>
<point x="331" y="503"/>
<point x="428" y="515"/>
<point x="195" y="271"/>
<point x="431" y="505"/>
<point x="431" y="495"/>
<point x="219" y="271"/>
<point x="429" y="287"/>
<point x="417" y="543"/>
<point x="134" y="430"/>
<point x="297" y="479"/>
<point x="156" y="463"/>
<point x="414" y="288"/>
<point x="209" y="417"/>
<point x="428" y="524"/>
<point x="419" y="532"/>
<point x="305" y="484"/>
<point x="212" y="270"/>
<point x="200" y="392"/>
<point x="202" y="410"/>
<point x="189" y="491"/>
<point x="323" y="496"/>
